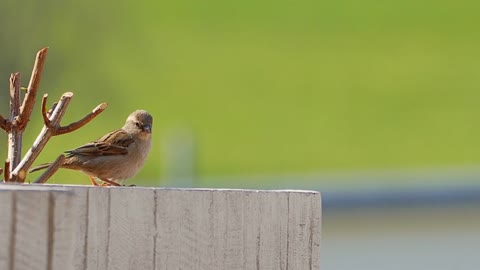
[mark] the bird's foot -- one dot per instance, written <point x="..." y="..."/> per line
<point x="109" y="183"/>
<point x="93" y="181"/>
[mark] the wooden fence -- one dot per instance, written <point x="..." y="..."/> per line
<point x="79" y="227"/>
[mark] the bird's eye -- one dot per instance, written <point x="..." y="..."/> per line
<point x="137" y="124"/>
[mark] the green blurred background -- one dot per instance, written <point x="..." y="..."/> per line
<point x="261" y="87"/>
<point x="374" y="103"/>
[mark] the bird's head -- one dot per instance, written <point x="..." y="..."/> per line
<point x="139" y="122"/>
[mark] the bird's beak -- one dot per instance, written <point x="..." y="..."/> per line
<point x="147" y="128"/>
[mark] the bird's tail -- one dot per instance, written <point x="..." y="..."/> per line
<point x="40" y="167"/>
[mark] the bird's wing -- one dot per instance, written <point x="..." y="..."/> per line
<point x="113" y="143"/>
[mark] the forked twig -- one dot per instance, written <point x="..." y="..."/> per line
<point x="51" y="128"/>
<point x="15" y="169"/>
<point x="80" y="123"/>
<point x="20" y="172"/>
<point x="53" y="168"/>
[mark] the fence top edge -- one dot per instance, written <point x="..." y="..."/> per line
<point x="31" y="187"/>
<point x="64" y="187"/>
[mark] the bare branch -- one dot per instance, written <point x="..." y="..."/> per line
<point x="29" y="100"/>
<point x="51" y="170"/>
<point x="7" y="171"/>
<point x="80" y="123"/>
<point x="5" y="124"/>
<point x="14" y="95"/>
<point x="15" y="133"/>
<point x="42" y="138"/>
<point x="45" y="115"/>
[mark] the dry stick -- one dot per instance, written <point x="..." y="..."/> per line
<point x="80" y="123"/>
<point x="15" y="133"/>
<point x="45" y="114"/>
<point x="7" y="171"/>
<point x="4" y="124"/>
<point x="51" y="170"/>
<point x="51" y="128"/>
<point x="20" y="172"/>
<point x="59" y="130"/>
<point x="29" y="100"/>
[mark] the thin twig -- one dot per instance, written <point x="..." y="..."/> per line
<point x="51" y="170"/>
<point x="15" y="133"/>
<point x="80" y="123"/>
<point x="45" y="115"/>
<point x="4" y="124"/>
<point x="14" y="96"/>
<point x="29" y="100"/>
<point x="7" y="171"/>
<point x="46" y="133"/>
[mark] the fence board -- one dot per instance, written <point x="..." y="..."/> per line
<point x="132" y="228"/>
<point x="63" y="223"/>
<point x="158" y="228"/>
<point x="36" y="228"/>
<point x="303" y="231"/>
<point x="7" y="205"/>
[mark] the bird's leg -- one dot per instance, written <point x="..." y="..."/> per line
<point x="93" y="181"/>
<point x="109" y="183"/>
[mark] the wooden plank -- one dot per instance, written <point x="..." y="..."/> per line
<point x="80" y="234"/>
<point x="265" y="225"/>
<point x="92" y="208"/>
<point x="227" y="229"/>
<point x="35" y="227"/>
<point x="188" y="231"/>
<point x="236" y="229"/>
<point x="7" y="207"/>
<point x="97" y="228"/>
<point x="304" y="227"/>
<point x="158" y="228"/>
<point x="172" y="228"/>
<point x="131" y="229"/>
<point x="30" y="250"/>
<point x="62" y="227"/>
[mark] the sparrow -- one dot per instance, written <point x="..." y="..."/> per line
<point x="116" y="156"/>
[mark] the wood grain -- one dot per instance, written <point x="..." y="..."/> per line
<point x="159" y="228"/>
<point x="36" y="228"/>
<point x="8" y="205"/>
<point x="131" y="229"/>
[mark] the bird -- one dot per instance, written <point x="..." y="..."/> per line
<point x="114" y="157"/>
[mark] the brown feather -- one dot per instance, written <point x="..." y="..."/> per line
<point x="113" y="143"/>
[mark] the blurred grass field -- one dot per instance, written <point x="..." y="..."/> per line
<point x="266" y="87"/>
